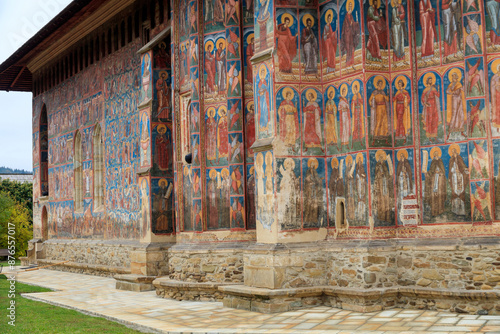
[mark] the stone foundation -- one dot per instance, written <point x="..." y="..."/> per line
<point x="105" y="257"/>
<point x="135" y="283"/>
<point x="365" y="276"/>
<point x="178" y="290"/>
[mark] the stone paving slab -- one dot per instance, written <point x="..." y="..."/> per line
<point x="144" y="311"/>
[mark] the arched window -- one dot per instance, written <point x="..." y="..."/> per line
<point x="98" y="168"/>
<point x="45" y="227"/>
<point x="44" y="152"/>
<point x="78" y="173"/>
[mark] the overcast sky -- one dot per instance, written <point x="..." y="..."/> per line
<point x="20" y="20"/>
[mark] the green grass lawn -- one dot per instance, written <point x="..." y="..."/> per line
<point x="38" y="317"/>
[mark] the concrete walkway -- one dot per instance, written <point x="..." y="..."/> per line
<point x="145" y="311"/>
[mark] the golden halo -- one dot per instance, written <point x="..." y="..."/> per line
<point x="259" y="159"/>
<point x="380" y="155"/>
<point x="328" y="12"/>
<point x="221" y="40"/>
<point x="262" y="68"/>
<point x="289" y="16"/>
<point x="402" y="153"/>
<point x="251" y="103"/>
<point x="378" y="3"/>
<point x="183" y="47"/>
<point x="401" y="78"/>
<point x="313" y="92"/>
<point x="453" y="146"/>
<point x="186" y="170"/>
<point x="348" y="160"/>
<point x="359" y="157"/>
<point x="251" y="170"/>
<point x="377" y="79"/>
<point x="436" y="150"/>
<point x="212" y="174"/>
<point x="269" y="158"/>
<point x="306" y="17"/>
<point x="289" y="162"/>
<point x="455" y="71"/>
<point x="355" y="87"/>
<point x="211" y="112"/>
<point x="494" y="65"/>
<point x="224" y="172"/>
<point x="162" y="181"/>
<point x="161" y="128"/>
<point x="344" y="85"/>
<point x="222" y="109"/>
<point x="429" y="75"/>
<point x="288" y="90"/>
<point x="335" y="163"/>
<point x="209" y="43"/>
<point x="331" y="89"/>
<point x="311" y="162"/>
<point x="349" y="2"/>
<point x="249" y="38"/>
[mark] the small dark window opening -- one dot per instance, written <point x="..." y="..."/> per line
<point x="86" y="57"/>
<point x="97" y="49"/>
<point x="161" y="9"/>
<point x="108" y="50"/>
<point x="115" y="38"/>
<point x="129" y="29"/>
<point x="152" y="10"/>
<point x="137" y="24"/>
<point x="103" y="45"/>
<point x="122" y="34"/>
<point x="91" y="52"/>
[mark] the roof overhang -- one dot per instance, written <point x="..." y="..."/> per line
<point x="16" y="71"/>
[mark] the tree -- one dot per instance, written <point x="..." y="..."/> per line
<point x="14" y="217"/>
<point x="22" y="193"/>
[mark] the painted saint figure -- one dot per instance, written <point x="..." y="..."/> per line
<point x="458" y="178"/>
<point x="402" y="119"/>
<point x="249" y="55"/>
<point x="428" y="24"/>
<point x="210" y="67"/>
<point x="329" y="42"/>
<point x="495" y="94"/>
<point x="350" y="188"/>
<point x="456" y="113"/>
<point x="331" y="118"/>
<point x="399" y="30"/>
<point x="345" y="117"/>
<point x="289" y="122"/>
<point x="349" y="38"/>
<point x="313" y="196"/>
<point x="377" y="29"/>
<point x="289" y="196"/>
<point x="431" y="114"/>
<point x="222" y="134"/>
<point x="312" y="121"/>
<point x="360" y="188"/>
<point x="435" y="184"/>
<point x="358" y="114"/>
<point x="380" y="112"/>
<point x="493" y="8"/>
<point x="263" y="100"/>
<point x="383" y="188"/>
<point x="220" y="60"/>
<point x="404" y="176"/>
<point x="452" y="24"/>
<point x="211" y="127"/>
<point x="333" y="189"/>
<point x="286" y="44"/>
<point x="309" y="46"/>
<point x="213" y="200"/>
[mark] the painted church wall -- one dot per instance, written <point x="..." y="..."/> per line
<point x="106" y="93"/>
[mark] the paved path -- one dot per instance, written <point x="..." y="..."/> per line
<point x="145" y="311"/>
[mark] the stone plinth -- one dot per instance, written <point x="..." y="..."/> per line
<point x="180" y="290"/>
<point x="135" y="283"/>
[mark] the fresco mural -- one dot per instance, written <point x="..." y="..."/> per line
<point x="345" y="117"/>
